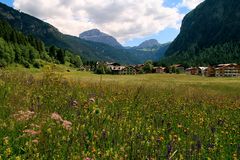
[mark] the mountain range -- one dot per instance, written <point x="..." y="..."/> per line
<point x="92" y="45"/>
<point x="209" y="35"/>
<point x="89" y="51"/>
<point x="147" y="50"/>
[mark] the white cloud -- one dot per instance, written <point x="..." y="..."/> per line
<point x="190" y="4"/>
<point x="123" y="19"/>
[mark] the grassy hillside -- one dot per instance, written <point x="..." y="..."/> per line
<point x="77" y="115"/>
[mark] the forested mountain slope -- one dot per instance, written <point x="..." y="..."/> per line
<point x="209" y="34"/>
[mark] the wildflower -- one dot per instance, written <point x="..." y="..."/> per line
<point x="49" y="130"/>
<point x="8" y="152"/>
<point x="55" y="116"/>
<point x="24" y="116"/>
<point x="27" y="144"/>
<point x="169" y="150"/>
<point x="6" y="141"/>
<point x="35" y="141"/>
<point x="74" y="103"/>
<point x="175" y="137"/>
<point x="35" y="126"/>
<point x="179" y="126"/>
<point x="161" y="139"/>
<point x="31" y="132"/>
<point x="91" y="100"/>
<point x="181" y="157"/>
<point x="201" y="120"/>
<point x="95" y="136"/>
<point x="87" y="158"/>
<point x="18" y="158"/>
<point x="235" y="157"/>
<point x="186" y="131"/>
<point x="93" y="150"/>
<point x="67" y="125"/>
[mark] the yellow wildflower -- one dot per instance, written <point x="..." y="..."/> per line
<point x="6" y="141"/>
<point x="18" y="158"/>
<point x="8" y="152"/>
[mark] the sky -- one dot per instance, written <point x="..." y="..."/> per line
<point x="129" y="21"/>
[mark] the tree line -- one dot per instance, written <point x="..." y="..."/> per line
<point x="15" y="47"/>
<point x="218" y="54"/>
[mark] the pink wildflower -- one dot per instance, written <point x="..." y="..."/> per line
<point x="35" y="141"/>
<point x="23" y="116"/>
<point x="31" y="132"/>
<point x="67" y="125"/>
<point x="55" y="116"/>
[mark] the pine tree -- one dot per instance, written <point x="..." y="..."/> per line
<point x="61" y="56"/>
<point x="52" y="51"/>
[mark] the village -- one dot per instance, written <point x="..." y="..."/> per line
<point x="221" y="70"/>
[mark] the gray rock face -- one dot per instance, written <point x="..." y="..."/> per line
<point x="149" y="44"/>
<point x="96" y="35"/>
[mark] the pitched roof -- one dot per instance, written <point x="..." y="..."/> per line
<point x="117" y="68"/>
<point x="203" y="68"/>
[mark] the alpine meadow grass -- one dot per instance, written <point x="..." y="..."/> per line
<point x="79" y="115"/>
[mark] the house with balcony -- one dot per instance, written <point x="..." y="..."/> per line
<point x="227" y="70"/>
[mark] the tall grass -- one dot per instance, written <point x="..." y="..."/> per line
<point x="117" y="118"/>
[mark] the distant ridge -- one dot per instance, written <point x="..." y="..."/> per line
<point x="96" y="35"/>
<point x="149" y="50"/>
<point x="149" y="44"/>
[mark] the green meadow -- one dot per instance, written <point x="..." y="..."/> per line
<point x="57" y="114"/>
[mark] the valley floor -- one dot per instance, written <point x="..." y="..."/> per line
<point x="55" y="114"/>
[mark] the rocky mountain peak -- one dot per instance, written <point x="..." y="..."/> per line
<point x="96" y="35"/>
<point x="149" y="44"/>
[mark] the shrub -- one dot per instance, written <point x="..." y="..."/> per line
<point x="37" y="64"/>
<point x="26" y="64"/>
<point x="177" y="71"/>
<point x="3" y="63"/>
